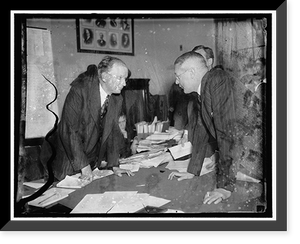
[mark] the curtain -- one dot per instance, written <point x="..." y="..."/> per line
<point x="239" y="44"/>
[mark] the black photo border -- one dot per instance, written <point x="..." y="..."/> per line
<point x="280" y="224"/>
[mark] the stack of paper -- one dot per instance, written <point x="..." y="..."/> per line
<point x="117" y="202"/>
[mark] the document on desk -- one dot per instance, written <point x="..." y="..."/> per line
<point x="50" y="196"/>
<point x="182" y="165"/>
<point x="163" y="136"/>
<point x="156" y="161"/>
<point x="75" y="182"/>
<point x="117" y="202"/>
<point x="133" y="167"/>
<point x="181" y="151"/>
<point x="35" y="184"/>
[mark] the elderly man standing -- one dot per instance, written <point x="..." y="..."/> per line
<point x="89" y="122"/>
<point x="216" y="118"/>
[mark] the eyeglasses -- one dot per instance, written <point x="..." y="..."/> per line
<point x="118" y="78"/>
<point x="177" y="77"/>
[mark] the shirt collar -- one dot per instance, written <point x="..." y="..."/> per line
<point x="103" y="94"/>
<point x="199" y="90"/>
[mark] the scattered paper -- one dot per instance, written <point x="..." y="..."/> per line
<point x="182" y="165"/>
<point x="94" y="203"/>
<point x="117" y="202"/>
<point x="155" y="201"/>
<point x="35" y="184"/>
<point x="243" y="177"/>
<point x="173" y="211"/>
<point x="50" y="196"/>
<point x="73" y="181"/>
<point x="163" y="136"/>
<point x="181" y="151"/>
<point x="133" y="167"/>
<point x="101" y="173"/>
<point x="156" y="161"/>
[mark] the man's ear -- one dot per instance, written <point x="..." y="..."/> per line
<point x="209" y="61"/>
<point x="103" y="76"/>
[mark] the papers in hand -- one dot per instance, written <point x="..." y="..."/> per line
<point x="50" y="196"/>
<point x="117" y="202"/>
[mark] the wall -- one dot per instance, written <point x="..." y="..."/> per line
<point x="157" y="42"/>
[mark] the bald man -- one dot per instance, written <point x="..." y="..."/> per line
<point x="216" y="118"/>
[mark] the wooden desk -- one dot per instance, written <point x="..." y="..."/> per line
<point x="186" y="195"/>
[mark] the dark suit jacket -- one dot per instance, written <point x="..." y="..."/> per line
<point x="82" y="137"/>
<point x="218" y="115"/>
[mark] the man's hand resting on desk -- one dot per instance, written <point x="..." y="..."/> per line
<point x="181" y="175"/>
<point x="117" y="171"/>
<point x="87" y="173"/>
<point x="216" y="196"/>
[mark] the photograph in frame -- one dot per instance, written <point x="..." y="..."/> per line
<point x="105" y="35"/>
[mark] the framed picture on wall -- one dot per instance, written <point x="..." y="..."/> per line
<point x="105" y="35"/>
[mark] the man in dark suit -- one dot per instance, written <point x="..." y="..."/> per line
<point x="85" y="138"/>
<point x="216" y="119"/>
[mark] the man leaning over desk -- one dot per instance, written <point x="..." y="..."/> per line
<point x="217" y="118"/>
<point x="85" y="138"/>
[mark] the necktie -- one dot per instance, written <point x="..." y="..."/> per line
<point x="199" y="99"/>
<point x="104" y="107"/>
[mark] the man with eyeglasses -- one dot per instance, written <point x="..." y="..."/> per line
<point x="89" y="122"/>
<point x="216" y="118"/>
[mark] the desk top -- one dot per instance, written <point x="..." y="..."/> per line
<point x="186" y="195"/>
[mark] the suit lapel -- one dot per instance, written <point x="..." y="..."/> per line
<point x="110" y="117"/>
<point x="94" y="100"/>
<point x="206" y="106"/>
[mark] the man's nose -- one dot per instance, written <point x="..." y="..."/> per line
<point x="123" y="82"/>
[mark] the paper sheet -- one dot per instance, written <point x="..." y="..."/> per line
<point x="50" y="196"/>
<point x="133" y="167"/>
<point x="243" y="177"/>
<point x="35" y="184"/>
<point x="117" y="202"/>
<point x="181" y="151"/>
<point x="156" y="161"/>
<point x="101" y="173"/>
<point x="75" y="182"/>
<point x="182" y="165"/>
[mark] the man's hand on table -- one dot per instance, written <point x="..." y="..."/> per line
<point x="181" y="175"/>
<point x="117" y="171"/>
<point x="87" y="173"/>
<point x="216" y="196"/>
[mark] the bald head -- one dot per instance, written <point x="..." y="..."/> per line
<point x="190" y="67"/>
<point x="191" y="58"/>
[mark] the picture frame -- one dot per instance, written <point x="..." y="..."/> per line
<point x="108" y="35"/>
